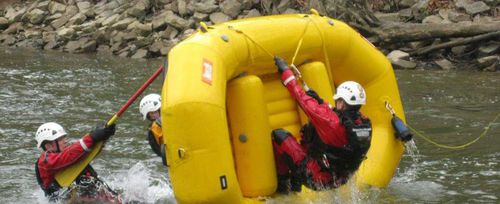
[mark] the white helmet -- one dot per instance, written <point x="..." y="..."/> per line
<point x="149" y="103"/>
<point x="49" y="132"/>
<point x="352" y="93"/>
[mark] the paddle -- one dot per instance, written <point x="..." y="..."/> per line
<point x="65" y="177"/>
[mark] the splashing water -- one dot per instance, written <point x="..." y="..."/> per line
<point x="140" y="185"/>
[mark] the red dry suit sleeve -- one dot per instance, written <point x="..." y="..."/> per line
<point x="70" y="155"/>
<point x="327" y="123"/>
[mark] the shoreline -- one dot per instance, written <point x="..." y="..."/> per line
<point x="150" y="28"/>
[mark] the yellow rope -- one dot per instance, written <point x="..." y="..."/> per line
<point x="459" y="146"/>
<point x="391" y="110"/>
<point x="255" y="42"/>
<point x="300" y="41"/>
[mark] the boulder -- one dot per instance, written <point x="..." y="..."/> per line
<point x="36" y="16"/>
<point x="78" y="19"/>
<point x="56" y="24"/>
<point x="231" y="7"/>
<point x="253" y="13"/>
<point x="56" y="7"/>
<point x="387" y="17"/>
<point x="72" y="46"/>
<point x="123" y="24"/>
<point x="398" y="54"/>
<point x="403" y="64"/>
<point x="489" y="48"/>
<point x="14" y="28"/>
<point x="406" y="3"/>
<point x="197" y="16"/>
<point x="444" y="64"/>
<point x="283" y="5"/>
<point x="219" y="17"/>
<point x="476" y="7"/>
<point x="43" y="5"/>
<point x="432" y="19"/>
<point x="458" y="17"/>
<point x="139" y="8"/>
<point x="176" y="21"/>
<point x="141" y="53"/>
<point x="66" y="33"/>
<point x="4" y="23"/>
<point x="169" y="33"/>
<point x="89" y="46"/>
<point x="14" y="15"/>
<point x="143" y="29"/>
<point x="207" y="6"/>
<point x="182" y="8"/>
<point x="111" y="20"/>
<point x="83" y="6"/>
<point x="490" y="63"/>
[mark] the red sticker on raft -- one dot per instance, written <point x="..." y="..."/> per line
<point x="207" y="71"/>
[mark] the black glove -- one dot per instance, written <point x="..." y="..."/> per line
<point x="315" y="95"/>
<point x="281" y="64"/>
<point x="103" y="133"/>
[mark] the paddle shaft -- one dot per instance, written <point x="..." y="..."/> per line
<point x="66" y="177"/>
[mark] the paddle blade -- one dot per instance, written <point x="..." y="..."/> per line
<point x="66" y="177"/>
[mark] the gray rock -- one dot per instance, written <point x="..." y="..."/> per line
<point x="484" y="62"/>
<point x="476" y="7"/>
<point x="156" y="47"/>
<point x="406" y="3"/>
<point x="78" y="19"/>
<point x="290" y="11"/>
<point x="459" y="50"/>
<point x="182" y="8"/>
<point x="169" y="33"/>
<point x="489" y="49"/>
<point x="141" y="53"/>
<point x="403" y="64"/>
<point x="462" y="3"/>
<point x="88" y="27"/>
<point x="387" y="17"/>
<point x="43" y="5"/>
<point x="66" y="33"/>
<point x="13" y="15"/>
<point x="143" y="41"/>
<point x="143" y="29"/>
<point x="207" y="7"/>
<point x="283" y="5"/>
<point x="123" y="24"/>
<point x="458" y="17"/>
<point x="53" y="17"/>
<point x="4" y="23"/>
<point x="14" y="28"/>
<point x="71" y="11"/>
<point x="432" y="19"/>
<point x="9" y="40"/>
<point x="56" y="24"/>
<point x="231" y="7"/>
<point x="444" y="64"/>
<point x="111" y="20"/>
<point x="32" y="34"/>
<point x="197" y="16"/>
<point x="83" y="6"/>
<point x="72" y="46"/>
<point x="397" y="54"/>
<point x="482" y="19"/>
<point x="55" y="7"/>
<point x="253" y="13"/>
<point x="139" y="8"/>
<point x="89" y="46"/>
<point x="247" y="4"/>
<point x="176" y="21"/>
<point x="405" y="13"/>
<point x="219" y="17"/>
<point x="159" y="22"/>
<point x="104" y="49"/>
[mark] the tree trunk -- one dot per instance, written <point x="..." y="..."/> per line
<point x="415" y="32"/>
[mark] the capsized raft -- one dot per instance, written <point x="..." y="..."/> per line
<point x="222" y="97"/>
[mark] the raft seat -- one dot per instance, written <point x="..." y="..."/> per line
<point x="256" y="105"/>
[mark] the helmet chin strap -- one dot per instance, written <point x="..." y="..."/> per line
<point x="57" y="146"/>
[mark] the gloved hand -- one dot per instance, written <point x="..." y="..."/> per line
<point x="103" y="133"/>
<point x="281" y="64"/>
<point x="315" y="95"/>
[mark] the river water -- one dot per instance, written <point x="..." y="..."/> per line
<point x="80" y="91"/>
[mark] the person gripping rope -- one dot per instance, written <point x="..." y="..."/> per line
<point x="333" y="143"/>
<point x="150" y="109"/>
<point x="58" y="154"/>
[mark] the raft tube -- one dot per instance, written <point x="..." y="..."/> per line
<point x="222" y="97"/>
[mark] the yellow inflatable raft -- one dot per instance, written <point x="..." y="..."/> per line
<point x="222" y="97"/>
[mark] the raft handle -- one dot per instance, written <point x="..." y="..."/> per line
<point x="181" y="152"/>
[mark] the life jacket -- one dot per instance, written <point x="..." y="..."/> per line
<point x="155" y="137"/>
<point x="51" y="190"/>
<point x="345" y="160"/>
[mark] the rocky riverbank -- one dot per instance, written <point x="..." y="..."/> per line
<point x="149" y="28"/>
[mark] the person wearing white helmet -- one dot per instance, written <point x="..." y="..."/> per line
<point x="333" y="143"/>
<point x="150" y="109"/>
<point x="58" y="153"/>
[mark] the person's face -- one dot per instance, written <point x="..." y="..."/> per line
<point x="61" y="141"/>
<point x="154" y="115"/>
<point x="340" y="105"/>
